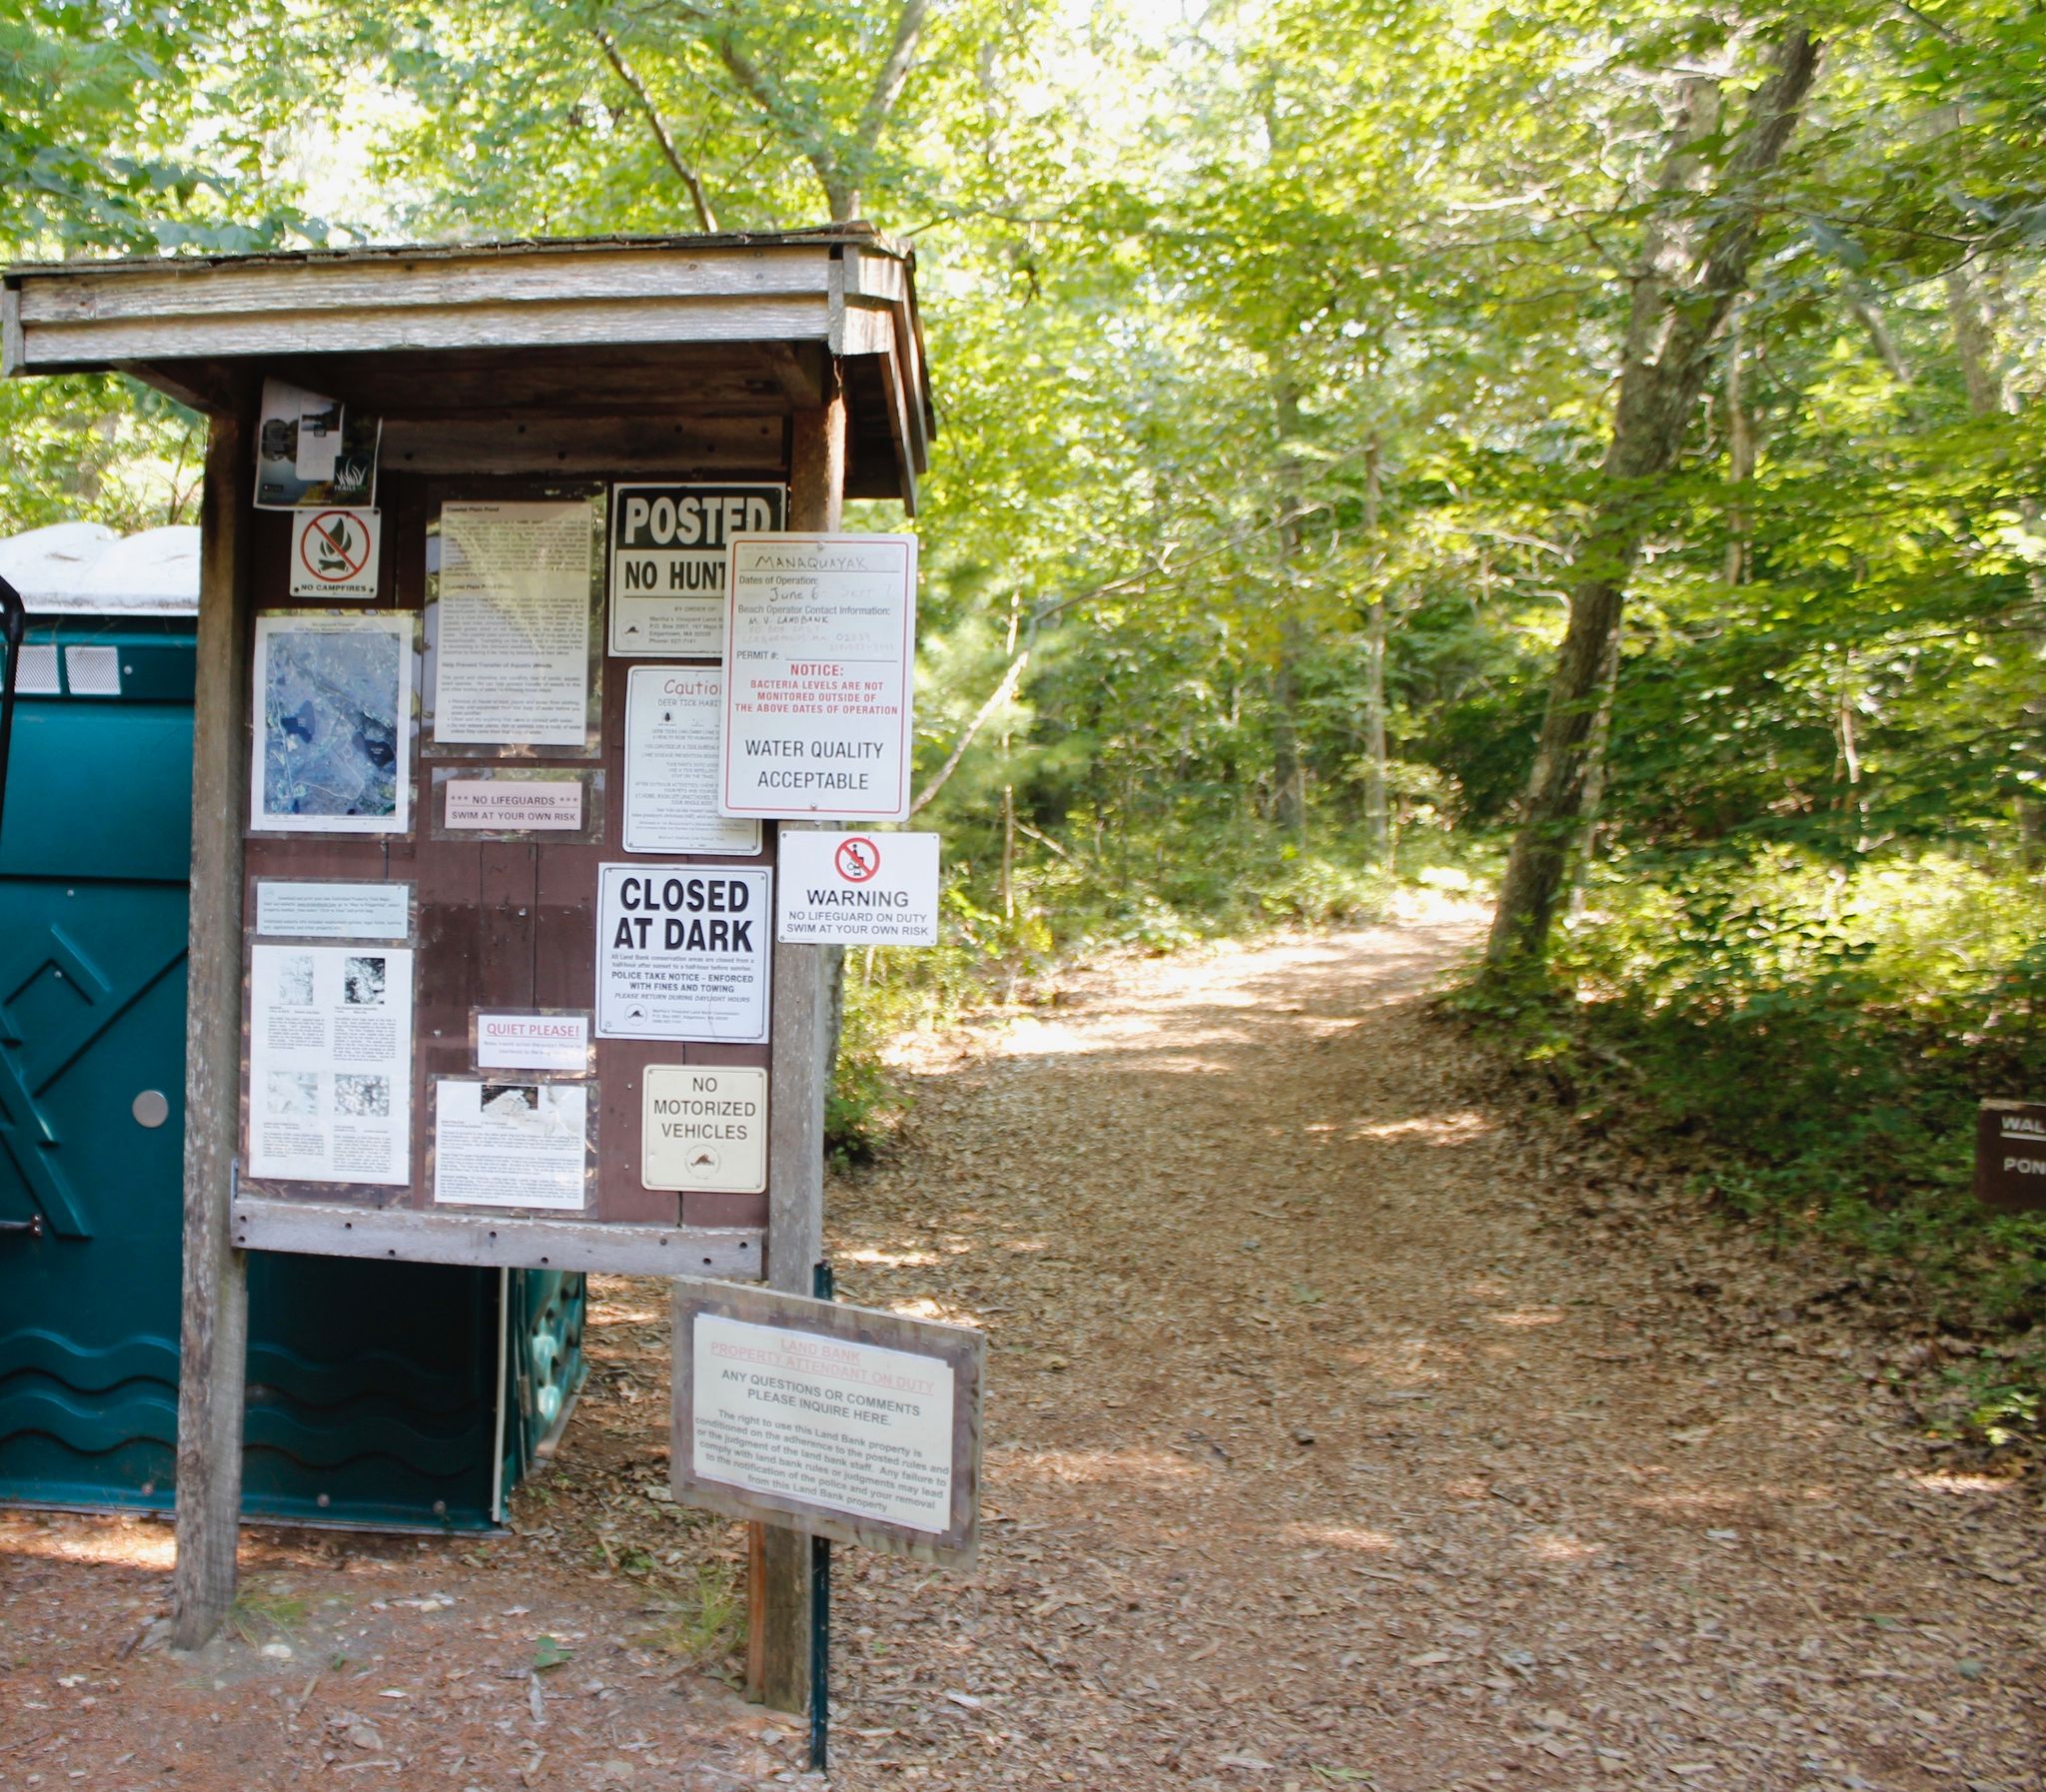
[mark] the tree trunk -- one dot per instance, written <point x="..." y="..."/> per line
<point x="1377" y="824"/>
<point x="1595" y="773"/>
<point x="1990" y="394"/>
<point x="1377" y="807"/>
<point x="1694" y="264"/>
<point x="1288" y="769"/>
<point x="1740" y="457"/>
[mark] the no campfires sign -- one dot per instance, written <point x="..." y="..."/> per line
<point x="334" y="553"/>
<point x="857" y="889"/>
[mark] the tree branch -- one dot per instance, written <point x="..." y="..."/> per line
<point x="654" y="123"/>
<point x="996" y="698"/>
<point x="893" y="74"/>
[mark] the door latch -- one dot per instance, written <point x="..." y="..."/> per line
<point x="33" y="1227"/>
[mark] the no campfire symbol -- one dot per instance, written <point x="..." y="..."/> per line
<point x="334" y="553"/>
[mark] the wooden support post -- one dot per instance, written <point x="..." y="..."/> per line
<point x="778" y="1601"/>
<point x="214" y="1333"/>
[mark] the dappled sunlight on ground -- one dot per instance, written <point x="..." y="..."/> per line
<point x="115" y="1542"/>
<point x="1334" y="1444"/>
<point x="1966" y="1485"/>
<point x="1344" y="1537"/>
<point x="1089" y="1466"/>
<point x="1557" y="1546"/>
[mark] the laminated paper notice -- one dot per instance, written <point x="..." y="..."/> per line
<point x="508" y="803"/>
<point x="304" y="908"/>
<point x="510" y="1144"/>
<point x="330" y="1064"/>
<point x="511" y="655"/>
<point x="855" y="1427"/>
<point x="534" y="1041"/>
<point x="671" y="717"/>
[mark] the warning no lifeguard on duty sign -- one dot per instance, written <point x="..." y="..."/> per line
<point x="857" y="889"/>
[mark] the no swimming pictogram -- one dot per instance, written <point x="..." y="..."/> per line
<point x="857" y="858"/>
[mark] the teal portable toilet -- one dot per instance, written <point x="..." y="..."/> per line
<point x="383" y="1394"/>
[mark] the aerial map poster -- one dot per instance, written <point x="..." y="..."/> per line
<point x="333" y="742"/>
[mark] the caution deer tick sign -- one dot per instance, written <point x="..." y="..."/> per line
<point x="334" y="553"/>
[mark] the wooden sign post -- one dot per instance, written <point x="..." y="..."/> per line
<point x="2010" y="1156"/>
<point x="465" y="910"/>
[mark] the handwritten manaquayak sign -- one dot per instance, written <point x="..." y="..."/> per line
<point x="684" y="952"/>
<point x="335" y="553"/>
<point x="668" y="562"/>
<point x="857" y="889"/>
<point x="820" y="639"/>
<point x="841" y="1422"/>
<point x="2010" y="1156"/>
<point x="704" y="1126"/>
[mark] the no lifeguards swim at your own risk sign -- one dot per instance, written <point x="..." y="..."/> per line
<point x="820" y="639"/>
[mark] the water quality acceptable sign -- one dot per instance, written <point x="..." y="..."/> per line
<point x="857" y="889"/>
<point x="821" y="635"/>
<point x="668" y="561"/>
<point x="843" y="1421"/>
<point x="684" y="952"/>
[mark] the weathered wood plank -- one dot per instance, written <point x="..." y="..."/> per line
<point x="511" y="1241"/>
<point x="595" y="274"/>
<point x="83" y="343"/>
<point x="10" y="331"/>
<point x="582" y="445"/>
<point x="214" y="1322"/>
<point x="778" y="1611"/>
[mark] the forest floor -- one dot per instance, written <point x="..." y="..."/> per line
<point x="1353" y="1421"/>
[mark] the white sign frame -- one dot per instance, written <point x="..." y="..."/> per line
<point x="360" y="585"/>
<point x="719" y="1109"/>
<point x="820" y="677"/>
<point x="821" y="898"/>
<point x="642" y="892"/>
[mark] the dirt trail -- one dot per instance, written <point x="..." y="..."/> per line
<point x="1341" y="1435"/>
<point x="1350" y="1425"/>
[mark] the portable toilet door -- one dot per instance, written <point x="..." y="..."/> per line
<point x="385" y="1395"/>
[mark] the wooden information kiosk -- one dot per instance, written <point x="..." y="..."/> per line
<point x="478" y="973"/>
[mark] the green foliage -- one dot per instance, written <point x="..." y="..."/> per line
<point x="1813" y="1041"/>
<point x="702" y="1625"/>
<point x="264" y="1611"/>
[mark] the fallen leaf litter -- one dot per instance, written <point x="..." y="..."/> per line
<point x="1496" y="1462"/>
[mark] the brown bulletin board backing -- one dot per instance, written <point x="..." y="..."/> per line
<point x="501" y="924"/>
